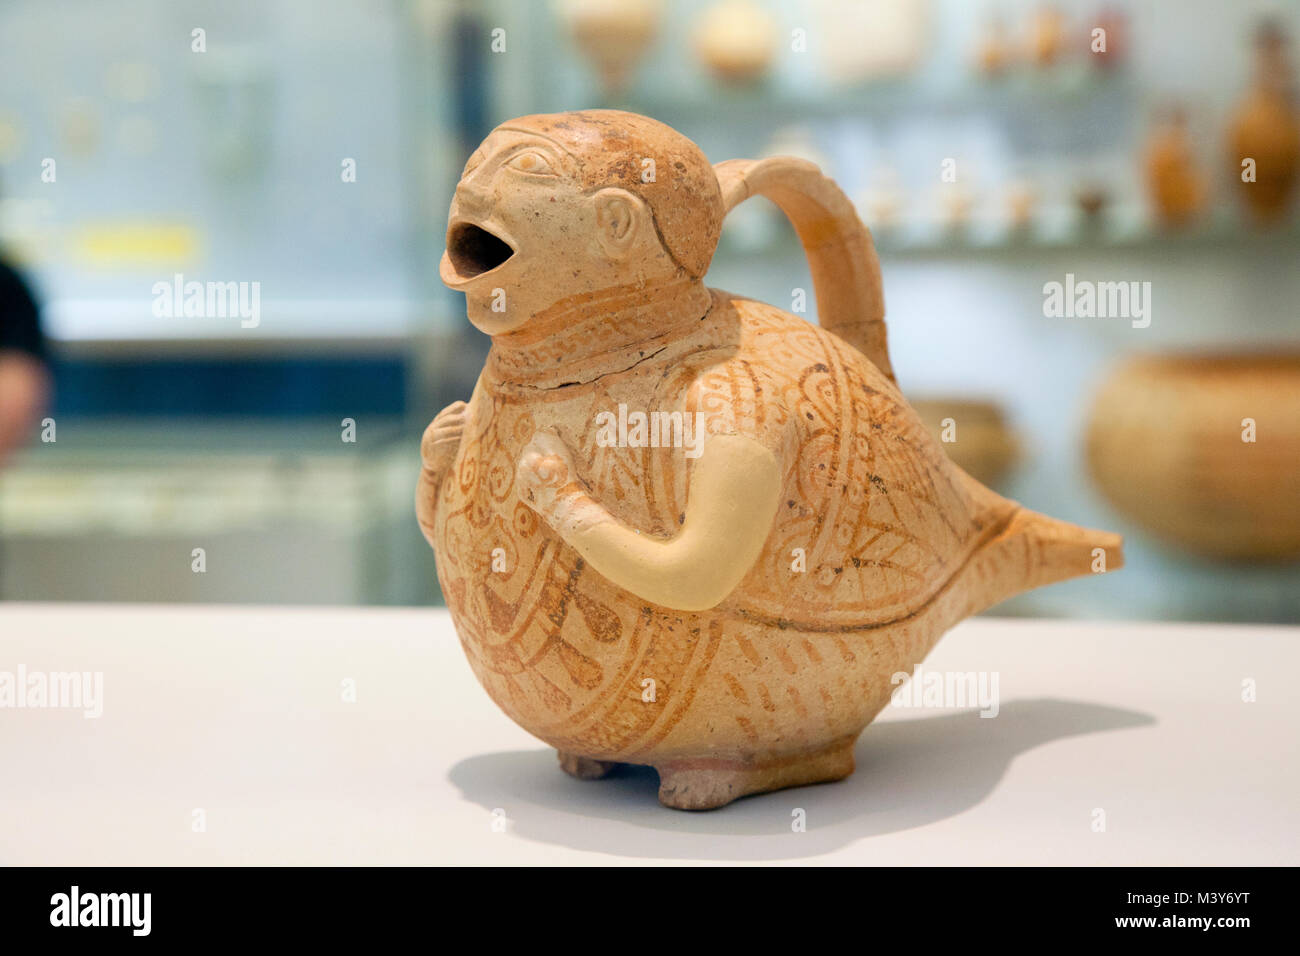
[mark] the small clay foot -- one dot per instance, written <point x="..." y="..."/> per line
<point x="584" y="768"/>
<point x="706" y="784"/>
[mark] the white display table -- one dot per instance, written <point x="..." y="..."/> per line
<point x="233" y="721"/>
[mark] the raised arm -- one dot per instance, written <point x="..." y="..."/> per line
<point x="437" y="452"/>
<point x="734" y="491"/>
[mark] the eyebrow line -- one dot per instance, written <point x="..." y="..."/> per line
<point x="553" y="142"/>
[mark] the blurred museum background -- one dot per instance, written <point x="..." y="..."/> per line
<point x="311" y="148"/>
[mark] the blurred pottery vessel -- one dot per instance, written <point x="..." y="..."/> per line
<point x="1176" y="188"/>
<point x="1021" y="204"/>
<point x="974" y="433"/>
<point x="1046" y="43"/>
<point x="858" y="42"/>
<point x="1266" y="129"/>
<point x="1204" y="451"/>
<point x="736" y="40"/>
<point x="678" y="527"/>
<point x="613" y="34"/>
<point x="994" y="51"/>
<point x="1114" y="22"/>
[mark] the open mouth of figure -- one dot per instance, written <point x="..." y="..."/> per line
<point x="473" y="250"/>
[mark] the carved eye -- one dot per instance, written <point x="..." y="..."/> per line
<point x="531" y="161"/>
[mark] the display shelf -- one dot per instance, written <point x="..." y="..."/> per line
<point x="931" y="243"/>
<point x="1025" y="92"/>
<point x="138" y="478"/>
<point x="284" y="512"/>
<point x="302" y="323"/>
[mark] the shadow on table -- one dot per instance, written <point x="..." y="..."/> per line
<point x="909" y="773"/>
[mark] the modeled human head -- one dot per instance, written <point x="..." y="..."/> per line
<point x="565" y="204"/>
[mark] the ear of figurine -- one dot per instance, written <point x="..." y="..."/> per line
<point x="620" y="218"/>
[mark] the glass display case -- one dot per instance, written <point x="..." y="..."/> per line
<point x="296" y="163"/>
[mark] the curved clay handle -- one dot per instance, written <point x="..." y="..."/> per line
<point x="841" y="255"/>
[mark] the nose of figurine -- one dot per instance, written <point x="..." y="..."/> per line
<point x="470" y="201"/>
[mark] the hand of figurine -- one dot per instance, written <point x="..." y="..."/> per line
<point x="442" y="438"/>
<point x="437" y="452"/>
<point x="548" y="481"/>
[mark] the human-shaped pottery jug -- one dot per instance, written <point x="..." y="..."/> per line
<point x="680" y="528"/>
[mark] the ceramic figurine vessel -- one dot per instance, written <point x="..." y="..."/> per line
<point x="678" y="527"/>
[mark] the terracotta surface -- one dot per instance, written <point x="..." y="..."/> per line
<point x="1165" y="444"/>
<point x="729" y="612"/>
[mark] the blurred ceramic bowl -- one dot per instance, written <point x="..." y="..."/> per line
<point x="1203" y="450"/>
<point x="974" y="433"/>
